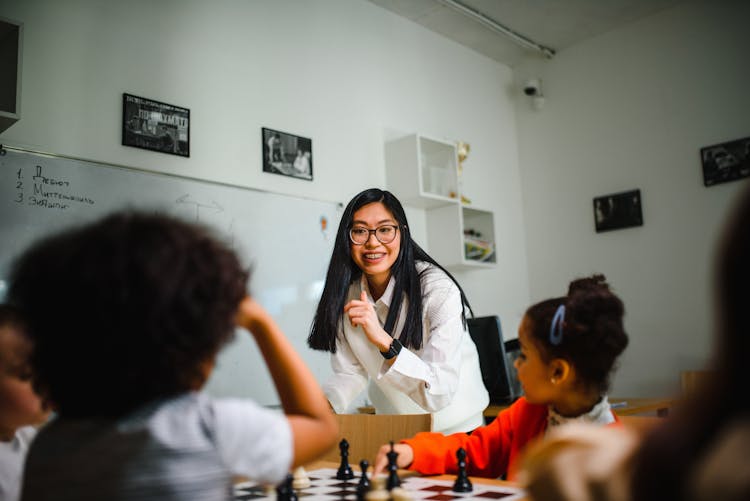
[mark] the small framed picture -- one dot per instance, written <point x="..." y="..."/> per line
<point x="287" y="154"/>
<point x="726" y="161"/>
<point x="156" y="126"/>
<point x="618" y="210"/>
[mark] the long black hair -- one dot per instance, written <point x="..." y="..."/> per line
<point x="343" y="271"/>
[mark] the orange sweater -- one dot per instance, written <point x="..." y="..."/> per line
<point x="491" y="450"/>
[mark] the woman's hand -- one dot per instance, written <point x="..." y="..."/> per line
<point x="404" y="459"/>
<point x="361" y="312"/>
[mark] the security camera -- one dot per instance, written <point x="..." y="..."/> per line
<point x="532" y="87"/>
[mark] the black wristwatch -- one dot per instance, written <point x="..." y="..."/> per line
<point x="394" y="350"/>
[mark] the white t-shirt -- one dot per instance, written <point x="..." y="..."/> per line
<point x="184" y="448"/>
<point x="12" y="456"/>
<point x="442" y="378"/>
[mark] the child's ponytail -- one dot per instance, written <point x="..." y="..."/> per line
<point x="594" y="327"/>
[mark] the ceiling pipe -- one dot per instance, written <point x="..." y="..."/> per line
<point x="499" y="28"/>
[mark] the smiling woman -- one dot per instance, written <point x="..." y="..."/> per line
<point x="394" y="318"/>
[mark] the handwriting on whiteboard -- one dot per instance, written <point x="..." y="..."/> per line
<point x="37" y="189"/>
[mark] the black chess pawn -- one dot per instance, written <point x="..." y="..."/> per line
<point x="462" y="483"/>
<point x="345" y="471"/>
<point x="393" y="480"/>
<point x="364" y="483"/>
<point x="285" y="491"/>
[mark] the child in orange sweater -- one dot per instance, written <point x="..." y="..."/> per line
<point x="568" y="348"/>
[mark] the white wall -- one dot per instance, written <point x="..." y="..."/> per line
<point x="631" y="109"/>
<point x="346" y="73"/>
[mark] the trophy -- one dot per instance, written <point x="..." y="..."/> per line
<point x="463" y="150"/>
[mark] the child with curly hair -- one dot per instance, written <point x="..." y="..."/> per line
<point x="568" y="349"/>
<point x="127" y="315"/>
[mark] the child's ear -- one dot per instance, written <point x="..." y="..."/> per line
<point x="560" y="370"/>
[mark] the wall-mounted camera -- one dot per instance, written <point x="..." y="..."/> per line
<point x="532" y="87"/>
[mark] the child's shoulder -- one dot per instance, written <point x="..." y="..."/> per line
<point x="524" y="408"/>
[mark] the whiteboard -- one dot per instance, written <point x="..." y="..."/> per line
<point x="287" y="240"/>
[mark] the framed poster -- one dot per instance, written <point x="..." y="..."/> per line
<point x="287" y="154"/>
<point x="618" y="210"/>
<point x="726" y="162"/>
<point x="156" y="126"/>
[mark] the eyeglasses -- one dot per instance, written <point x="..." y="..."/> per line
<point x="385" y="234"/>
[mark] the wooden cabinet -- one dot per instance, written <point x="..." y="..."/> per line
<point x="10" y="72"/>
<point x="423" y="173"/>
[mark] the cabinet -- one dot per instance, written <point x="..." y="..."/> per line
<point x="10" y="75"/>
<point x="423" y="173"/>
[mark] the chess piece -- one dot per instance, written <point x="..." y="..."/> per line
<point x="285" y="491"/>
<point x="364" y="483"/>
<point x="378" y="491"/>
<point x="462" y="483"/>
<point x="345" y="471"/>
<point x="401" y="494"/>
<point x="301" y="480"/>
<point x="393" y="480"/>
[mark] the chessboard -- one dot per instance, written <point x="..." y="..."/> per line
<point x="325" y="487"/>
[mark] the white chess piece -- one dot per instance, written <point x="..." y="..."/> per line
<point x="300" y="479"/>
<point x="401" y="494"/>
<point x="377" y="490"/>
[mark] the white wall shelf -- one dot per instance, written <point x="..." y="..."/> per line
<point x="423" y="173"/>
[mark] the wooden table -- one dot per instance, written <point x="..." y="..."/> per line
<point x="622" y="406"/>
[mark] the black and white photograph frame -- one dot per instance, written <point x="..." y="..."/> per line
<point x="726" y="162"/>
<point x="287" y="154"/>
<point x="156" y="126"/>
<point x="618" y="210"/>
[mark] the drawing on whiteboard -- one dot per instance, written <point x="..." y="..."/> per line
<point x="185" y="199"/>
<point x="324" y="226"/>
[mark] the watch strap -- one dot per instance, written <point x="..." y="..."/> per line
<point x="393" y="350"/>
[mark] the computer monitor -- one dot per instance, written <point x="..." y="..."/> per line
<point x="512" y="351"/>
<point x="497" y="372"/>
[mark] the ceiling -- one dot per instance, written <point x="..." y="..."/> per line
<point x="549" y="24"/>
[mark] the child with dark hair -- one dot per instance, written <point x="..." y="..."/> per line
<point x="127" y="315"/>
<point x="568" y="349"/>
<point x="395" y="320"/>
<point x="21" y="409"/>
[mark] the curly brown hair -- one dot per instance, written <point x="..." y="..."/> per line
<point x="125" y="310"/>
<point x="593" y="335"/>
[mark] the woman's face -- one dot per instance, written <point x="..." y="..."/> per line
<point x="533" y="373"/>
<point x="374" y="258"/>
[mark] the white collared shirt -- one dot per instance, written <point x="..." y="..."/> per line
<point x="442" y="378"/>
<point x="184" y="448"/>
<point x="600" y="414"/>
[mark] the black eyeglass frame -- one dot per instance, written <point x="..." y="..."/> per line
<point x="374" y="232"/>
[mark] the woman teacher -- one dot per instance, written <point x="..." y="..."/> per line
<point x="394" y="320"/>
